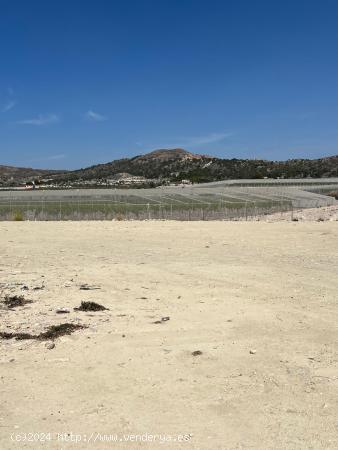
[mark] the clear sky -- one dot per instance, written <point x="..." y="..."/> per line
<point x="85" y="81"/>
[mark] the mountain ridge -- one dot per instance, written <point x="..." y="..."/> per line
<point x="174" y="165"/>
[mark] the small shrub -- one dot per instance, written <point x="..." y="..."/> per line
<point x="18" y="216"/>
<point x="119" y="217"/>
<point x="12" y="301"/>
<point x="90" y="306"/>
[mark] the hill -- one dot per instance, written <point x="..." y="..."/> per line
<point x="17" y="175"/>
<point x="174" y="165"/>
<point x="177" y="164"/>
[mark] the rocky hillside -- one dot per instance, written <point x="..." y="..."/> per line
<point x="178" y="164"/>
<point x="17" y="175"/>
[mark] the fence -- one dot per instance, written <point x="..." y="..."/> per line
<point x="168" y="203"/>
<point x="47" y="210"/>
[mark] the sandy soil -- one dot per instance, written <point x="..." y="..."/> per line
<point x="323" y="214"/>
<point x="259" y="300"/>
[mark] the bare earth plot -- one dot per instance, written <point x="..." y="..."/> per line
<point x="247" y="360"/>
<point x="309" y="215"/>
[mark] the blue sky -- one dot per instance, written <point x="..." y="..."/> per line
<point x="83" y="82"/>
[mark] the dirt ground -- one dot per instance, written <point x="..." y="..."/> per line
<point x="326" y="213"/>
<point x="247" y="360"/>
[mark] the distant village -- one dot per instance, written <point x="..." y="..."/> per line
<point x="119" y="180"/>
